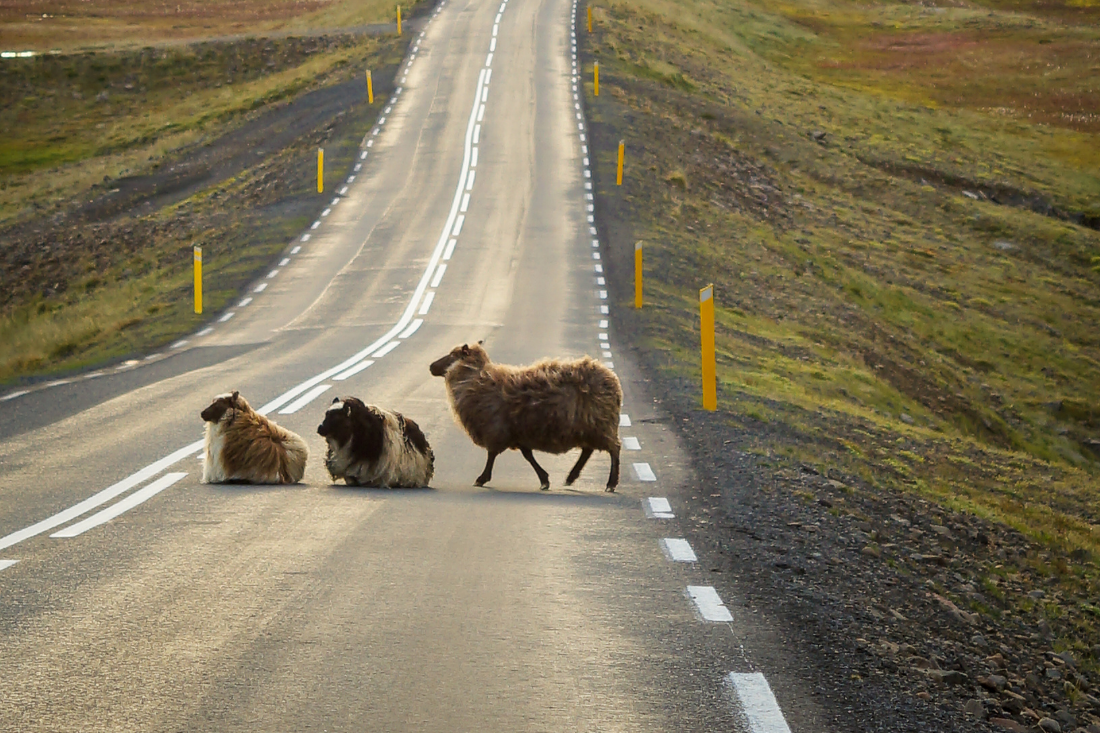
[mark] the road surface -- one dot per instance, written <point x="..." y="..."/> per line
<point x="134" y="597"/>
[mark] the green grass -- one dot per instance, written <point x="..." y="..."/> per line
<point x="872" y="318"/>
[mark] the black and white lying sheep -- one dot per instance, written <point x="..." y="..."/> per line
<point x="243" y="446"/>
<point x="370" y="446"/>
<point x="551" y="406"/>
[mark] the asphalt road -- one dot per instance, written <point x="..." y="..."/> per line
<point x="314" y="607"/>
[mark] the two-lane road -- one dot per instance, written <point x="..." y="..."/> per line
<point x="133" y="597"/>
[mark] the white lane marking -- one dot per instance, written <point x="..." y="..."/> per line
<point x="438" y="275"/>
<point x="708" y="604"/>
<point x="588" y="174"/>
<point x="585" y="161"/>
<point x="595" y="243"/>
<point x="305" y="399"/>
<point x="260" y="288"/>
<point x="678" y="550"/>
<point x="326" y="212"/>
<point x="473" y="160"/>
<point x="497" y="21"/>
<point x="334" y="202"/>
<point x="205" y="332"/>
<point x="296" y="250"/>
<point x="387" y="349"/>
<point x="363" y="155"/>
<point x="272" y="274"/>
<point x="603" y="336"/>
<point x="305" y="238"/>
<point x="284" y="262"/>
<point x="470" y="181"/>
<point x="606" y="354"/>
<point x="179" y="344"/>
<point x="624" y="420"/>
<point x="353" y="371"/>
<point x="598" y="268"/>
<point x="412" y="328"/>
<point x="13" y="395"/>
<point x="450" y="249"/>
<point x="4" y="564"/>
<point x="100" y="498"/>
<point x="382" y="121"/>
<point x="644" y="472"/>
<point x="657" y="507"/>
<point x="351" y="178"/>
<point x="477" y="135"/>
<point x="155" y="468"/>
<point x="343" y="190"/>
<point x="358" y="167"/>
<point x="631" y="443"/>
<point x="488" y="75"/>
<point x="493" y="43"/>
<point x="488" y="62"/>
<point x="609" y="364"/>
<point x="485" y="93"/>
<point x="227" y="316"/>
<point x="244" y="302"/>
<point x="370" y="143"/>
<point x="603" y="321"/>
<point x="603" y="295"/>
<point x="458" y="222"/>
<point x="427" y="303"/>
<point x="465" y="203"/>
<point x="757" y="702"/>
<point x="138" y="497"/>
<point x="315" y="224"/>
<point x="496" y="27"/>
<point x="481" y="113"/>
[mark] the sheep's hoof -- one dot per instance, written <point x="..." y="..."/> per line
<point x="545" y="486"/>
<point x="609" y="490"/>
<point x="479" y="481"/>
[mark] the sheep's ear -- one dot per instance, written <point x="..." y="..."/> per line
<point x="236" y="394"/>
<point x="481" y="342"/>
<point x="465" y="350"/>
<point x="334" y="400"/>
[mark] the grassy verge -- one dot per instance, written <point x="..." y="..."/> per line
<point x="897" y="206"/>
<point x="88" y="285"/>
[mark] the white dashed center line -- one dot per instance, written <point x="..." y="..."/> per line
<point x="708" y="604"/>
<point x="757" y="703"/>
<point x="678" y="550"/>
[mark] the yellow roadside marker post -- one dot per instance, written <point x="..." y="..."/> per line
<point x="589" y="18"/>
<point x="198" y="278"/>
<point x="398" y="20"/>
<point x="320" y="170"/>
<point x="638" y="274"/>
<point x="596" y="76"/>
<point x="370" y="89"/>
<point x="706" y="330"/>
<point x="619" y="174"/>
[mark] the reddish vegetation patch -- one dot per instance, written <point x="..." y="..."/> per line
<point x="129" y="11"/>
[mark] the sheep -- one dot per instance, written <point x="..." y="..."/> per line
<point x="370" y="446"/>
<point x="243" y="446"/>
<point x="551" y="406"/>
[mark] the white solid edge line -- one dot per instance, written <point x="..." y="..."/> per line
<point x="439" y="274"/>
<point x="631" y="443"/>
<point x="678" y="550"/>
<point x="154" y="468"/>
<point x="102" y="497"/>
<point x="305" y="399"/>
<point x="757" y="702"/>
<point x="412" y="327"/>
<point x="13" y="395"/>
<point x="4" y="564"/>
<point x="353" y="371"/>
<point x="424" y="306"/>
<point x="624" y="420"/>
<point x="709" y="604"/>
<point x="644" y="472"/>
<point x="387" y="349"/>
<point x="131" y="501"/>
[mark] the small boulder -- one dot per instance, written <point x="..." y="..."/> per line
<point x="1050" y="725"/>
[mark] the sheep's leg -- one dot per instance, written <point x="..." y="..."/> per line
<point x="613" y="479"/>
<point x="544" y="477"/>
<point x="575" y="473"/>
<point x="488" y="472"/>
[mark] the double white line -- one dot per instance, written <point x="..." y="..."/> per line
<point x="345" y="368"/>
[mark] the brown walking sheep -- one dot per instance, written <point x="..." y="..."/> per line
<point x="243" y="446"/>
<point x="551" y="406"/>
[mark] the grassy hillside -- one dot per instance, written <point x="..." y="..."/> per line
<point x="898" y="206"/>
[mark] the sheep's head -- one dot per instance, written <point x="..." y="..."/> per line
<point x="475" y="356"/>
<point x="347" y="420"/>
<point x="222" y="404"/>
